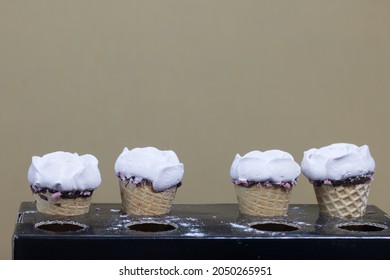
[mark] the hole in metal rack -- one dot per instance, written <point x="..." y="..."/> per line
<point x="274" y="226"/>
<point x="366" y="227"/>
<point x="151" y="227"/>
<point x="60" y="226"/>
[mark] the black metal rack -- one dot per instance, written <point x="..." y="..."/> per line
<point x="200" y="231"/>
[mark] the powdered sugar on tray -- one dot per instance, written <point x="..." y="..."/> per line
<point x="185" y="226"/>
<point x="242" y="227"/>
<point x="192" y="225"/>
<point x="194" y="234"/>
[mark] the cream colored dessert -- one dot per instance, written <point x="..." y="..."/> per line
<point x="341" y="174"/>
<point x="62" y="183"/>
<point x="263" y="182"/>
<point x="148" y="180"/>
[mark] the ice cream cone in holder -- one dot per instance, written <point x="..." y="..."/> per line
<point x="342" y="201"/>
<point x="341" y="175"/>
<point x="62" y="183"/>
<point x="144" y="200"/>
<point x="263" y="182"/>
<point x="148" y="180"/>
<point x="263" y="201"/>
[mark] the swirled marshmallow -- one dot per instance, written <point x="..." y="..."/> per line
<point x="162" y="168"/>
<point x="273" y="166"/>
<point x="338" y="161"/>
<point x="63" y="171"/>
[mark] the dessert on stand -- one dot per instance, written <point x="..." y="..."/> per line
<point x="62" y="183"/>
<point x="341" y="175"/>
<point x="148" y="180"/>
<point x="264" y="181"/>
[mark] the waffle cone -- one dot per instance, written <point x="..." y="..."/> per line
<point x="144" y="200"/>
<point x="342" y="201"/>
<point x="263" y="201"/>
<point x="62" y="206"/>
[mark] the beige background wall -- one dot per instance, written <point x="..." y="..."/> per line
<point x="208" y="79"/>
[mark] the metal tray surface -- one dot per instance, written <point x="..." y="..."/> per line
<point x="200" y="231"/>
